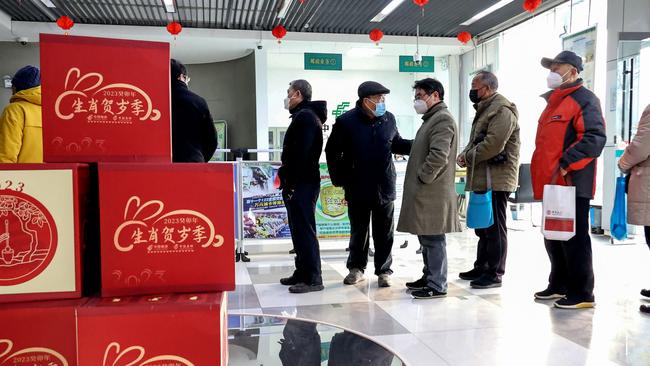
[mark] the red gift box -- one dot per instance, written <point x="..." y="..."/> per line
<point x="179" y="330"/>
<point x="39" y="333"/>
<point x="105" y="99"/>
<point x="166" y="228"/>
<point x="42" y="215"/>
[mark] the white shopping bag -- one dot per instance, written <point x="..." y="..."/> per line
<point x="559" y="212"/>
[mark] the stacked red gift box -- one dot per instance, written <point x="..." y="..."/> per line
<point x="147" y="243"/>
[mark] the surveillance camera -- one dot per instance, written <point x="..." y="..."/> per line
<point x="260" y="46"/>
<point x="22" y="40"/>
<point x="417" y="58"/>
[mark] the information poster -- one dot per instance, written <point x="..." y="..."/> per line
<point x="264" y="214"/>
<point x="584" y="45"/>
<point x="331" y="209"/>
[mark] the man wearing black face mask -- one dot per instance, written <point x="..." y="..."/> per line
<point x="492" y="161"/>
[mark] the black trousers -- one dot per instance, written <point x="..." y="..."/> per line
<point x="571" y="261"/>
<point x="492" y="248"/>
<point x="301" y="209"/>
<point x="360" y="215"/>
<point x="646" y="229"/>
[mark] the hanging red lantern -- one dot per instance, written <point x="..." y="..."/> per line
<point x="301" y="2"/>
<point x="464" y="37"/>
<point x="279" y="32"/>
<point x="421" y="4"/>
<point x="174" y="28"/>
<point x="532" y="5"/>
<point x="65" y="23"/>
<point x="376" y="35"/>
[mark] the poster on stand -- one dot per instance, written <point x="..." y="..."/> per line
<point x="264" y="214"/>
<point x="400" y="169"/>
<point x="584" y="45"/>
<point x="332" y="220"/>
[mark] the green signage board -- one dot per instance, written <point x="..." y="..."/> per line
<point x="406" y="64"/>
<point x="324" y="61"/>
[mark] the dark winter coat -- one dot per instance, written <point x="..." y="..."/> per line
<point x="303" y="144"/>
<point x="194" y="137"/>
<point x="359" y="156"/>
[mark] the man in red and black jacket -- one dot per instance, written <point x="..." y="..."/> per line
<point x="570" y="137"/>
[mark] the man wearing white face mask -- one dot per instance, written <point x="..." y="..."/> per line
<point x="359" y="156"/>
<point x="570" y="137"/>
<point x="429" y="188"/>
<point x="300" y="183"/>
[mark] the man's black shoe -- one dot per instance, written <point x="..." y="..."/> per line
<point x="289" y="281"/>
<point x="550" y="294"/>
<point x="427" y="293"/>
<point x="645" y="293"/>
<point x="420" y="284"/>
<point x="303" y="288"/>
<point x="486" y="282"/>
<point x="472" y="275"/>
<point x="645" y="309"/>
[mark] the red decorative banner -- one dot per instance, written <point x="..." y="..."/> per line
<point x="105" y="99"/>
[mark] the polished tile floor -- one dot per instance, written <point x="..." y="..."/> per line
<point x="503" y="326"/>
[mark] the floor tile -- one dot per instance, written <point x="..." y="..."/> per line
<point x="450" y="313"/>
<point x="364" y="317"/>
<point x="411" y="350"/>
<point x="276" y="295"/>
<point x="244" y="297"/>
<point x="508" y="346"/>
<point x="241" y="274"/>
<point x="273" y="273"/>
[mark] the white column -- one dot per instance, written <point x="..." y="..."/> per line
<point x="261" y="102"/>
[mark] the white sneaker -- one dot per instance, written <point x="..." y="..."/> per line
<point x="355" y="276"/>
<point x="384" y="280"/>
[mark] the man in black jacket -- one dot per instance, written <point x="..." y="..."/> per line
<point x="300" y="183"/>
<point x="359" y="157"/>
<point x="194" y="137"/>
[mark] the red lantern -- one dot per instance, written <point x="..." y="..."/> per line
<point x="532" y="5"/>
<point x="65" y="23"/>
<point x="174" y="28"/>
<point x="301" y="2"/>
<point x="376" y="35"/>
<point x="464" y="37"/>
<point x="279" y="32"/>
<point x="421" y="4"/>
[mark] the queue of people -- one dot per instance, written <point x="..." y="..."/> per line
<point x="570" y="137"/>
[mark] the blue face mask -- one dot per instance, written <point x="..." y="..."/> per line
<point x="380" y="108"/>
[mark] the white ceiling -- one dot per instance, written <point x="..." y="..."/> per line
<point x="211" y="45"/>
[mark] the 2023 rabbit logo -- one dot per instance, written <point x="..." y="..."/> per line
<point x="34" y="356"/>
<point x="28" y="238"/>
<point x="135" y="356"/>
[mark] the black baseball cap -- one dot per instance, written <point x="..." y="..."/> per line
<point x="564" y="57"/>
<point x="369" y="88"/>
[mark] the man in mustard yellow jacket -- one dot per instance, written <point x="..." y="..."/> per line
<point x="21" y="139"/>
